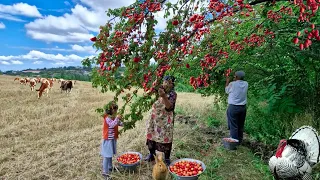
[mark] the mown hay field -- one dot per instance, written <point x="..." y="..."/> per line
<point x="58" y="137"/>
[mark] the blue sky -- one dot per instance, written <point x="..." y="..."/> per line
<point x="51" y="33"/>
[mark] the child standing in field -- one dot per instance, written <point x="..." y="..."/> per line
<point x="111" y="121"/>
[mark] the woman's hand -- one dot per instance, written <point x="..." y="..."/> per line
<point x="161" y="93"/>
<point x="119" y="116"/>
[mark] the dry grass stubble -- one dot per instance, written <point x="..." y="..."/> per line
<point x="58" y="137"/>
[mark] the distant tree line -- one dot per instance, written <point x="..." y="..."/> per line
<point x="69" y="73"/>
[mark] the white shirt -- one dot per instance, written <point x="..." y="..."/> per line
<point x="237" y="91"/>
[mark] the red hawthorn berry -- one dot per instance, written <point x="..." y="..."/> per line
<point x="187" y="66"/>
<point x="296" y="40"/>
<point x="175" y="22"/>
<point x="93" y="39"/>
<point x="136" y="59"/>
<point x="312" y="26"/>
<point x="298" y="33"/>
<point x="301" y="46"/>
<point x="237" y="33"/>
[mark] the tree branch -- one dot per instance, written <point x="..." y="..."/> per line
<point x="234" y="11"/>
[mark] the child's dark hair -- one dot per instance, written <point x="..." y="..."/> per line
<point x="111" y="107"/>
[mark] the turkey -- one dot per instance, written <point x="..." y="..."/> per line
<point x="296" y="156"/>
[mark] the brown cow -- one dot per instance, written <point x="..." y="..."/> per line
<point x="51" y="84"/>
<point x="45" y="86"/>
<point x="66" y="86"/>
<point x="27" y="80"/>
<point x="38" y="79"/>
<point x="23" y="81"/>
<point x="16" y="79"/>
<point x="33" y="83"/>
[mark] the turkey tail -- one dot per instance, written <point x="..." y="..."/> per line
<point x="310" y="137"/>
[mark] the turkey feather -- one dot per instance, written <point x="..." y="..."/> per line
<point x="310" y="137"/>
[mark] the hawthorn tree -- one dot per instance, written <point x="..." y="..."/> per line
<point x="188" y="46"/>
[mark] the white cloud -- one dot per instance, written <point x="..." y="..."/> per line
<point x="67" y="28"/>
<point x="37" y="62"/>
<point x="20" y="9"/>
<point x="66" y="3"/>
<point x="16" y="62"/>
<point x="59" y="63"/>
<point x="2" y="26"/>
<point x="4" y="63"/>
<point x="87" y="49"/>
<point x="75" y="26"/>
<point x="62" y="38"/>
<point x="6" y="57"/>
<point x="38" y="55"/>
<point x="103" y="5"/>
<point x="74" y="48"/>
<point x="10" y="17"/>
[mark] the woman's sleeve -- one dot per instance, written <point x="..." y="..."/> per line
<point x="112" y="123"/>
<point x="172" y="99"/>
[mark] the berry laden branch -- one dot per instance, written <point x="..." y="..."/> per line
<point x="124" y="43"/>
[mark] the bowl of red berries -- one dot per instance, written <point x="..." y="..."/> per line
<point x="187" y="169"/>
<point x="129" y="160"/>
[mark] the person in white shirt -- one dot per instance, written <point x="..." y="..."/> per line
<point x="237" y="100"/>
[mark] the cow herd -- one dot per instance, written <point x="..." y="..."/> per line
<point x="46" y="84"/>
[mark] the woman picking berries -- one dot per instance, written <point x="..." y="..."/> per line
<point x="160" y="123"/>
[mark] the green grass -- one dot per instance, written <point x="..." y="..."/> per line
<point x="221" y="163"/>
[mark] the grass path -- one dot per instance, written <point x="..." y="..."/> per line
<point x="58" y="137"/>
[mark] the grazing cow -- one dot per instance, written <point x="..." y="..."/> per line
<point x="45" y="86"/>
<point x="16" y="79"/>
<point x="39" y="79"/>
<point x="33" y="83"/>
<point x="23" y="81"/>
<point x="66" y="85"/>
<point x="74" y="82"/>
<point x="27" y="80"/>
<point x="51" y="84"/>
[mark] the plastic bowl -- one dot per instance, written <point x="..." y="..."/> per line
<point x="130" y="166"/>
<point x="230" y="145"/>
<point x="187" y="177"/>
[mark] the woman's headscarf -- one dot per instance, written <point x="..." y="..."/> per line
<point x="170" y="78"/>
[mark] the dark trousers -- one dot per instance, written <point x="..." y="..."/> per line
<point x="162" y="147"/>
<point x="236" y="115"/>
